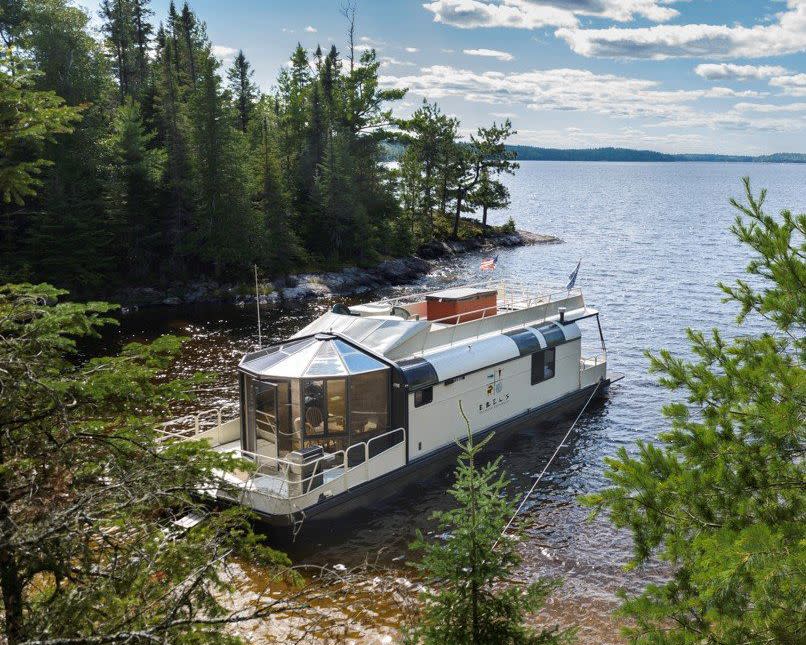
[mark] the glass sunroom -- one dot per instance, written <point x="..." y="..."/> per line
<point x="315" y="391"/>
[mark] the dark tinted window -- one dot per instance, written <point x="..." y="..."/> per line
<point x="543" y="365"/>
<point x="423" y="397"/>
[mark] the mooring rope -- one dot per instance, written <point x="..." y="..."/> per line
<point x="548" y="463"/>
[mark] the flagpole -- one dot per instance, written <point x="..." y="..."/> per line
<point x="257" y="303"/>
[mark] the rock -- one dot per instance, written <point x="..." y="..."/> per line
<point x="348" y="281"/>
<point x="139" y="296"/>
<point x="432" y="250"/>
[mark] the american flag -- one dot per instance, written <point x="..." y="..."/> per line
<point x="488" y="264"/>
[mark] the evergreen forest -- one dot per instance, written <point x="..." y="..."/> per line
<point x="132" y="156"/>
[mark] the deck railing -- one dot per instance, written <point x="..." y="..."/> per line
<point x="510" y="294"/>
<point x="494" y="319"/>
<point x="589" y="370"/>
<point x="593" y="361"/>
<point x="191" y="425"/>
<point x="290" y="485"/>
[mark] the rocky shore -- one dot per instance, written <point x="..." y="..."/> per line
<point x="309" y="286"/>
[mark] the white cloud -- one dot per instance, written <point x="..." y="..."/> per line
<point x="724" y="92"/>
<point x="581" y="90"/>
<point x="411" y="50"/>
<point x="447" y="51"/>
<point x="786" y="36"/>
<point x="534" y="14"/>
<point x="721" y="71"/>
<point x="489" y="53"/>
<point x="310" y="29"/>
<point x="386" y="61"/>
<point x="769" y="108"/>
<point x="225" y="54"/>
<point x="792" y="85"/>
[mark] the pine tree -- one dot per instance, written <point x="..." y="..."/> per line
<point x="721" y="497"/>
<point x="224" y="226"/>
<point x="174" y="129"/>
<point x="88" y="492"/>
<point x="470" y="597"/>
<point x="136" y="171"/>
<point x="117" y="26"/>
<point x="429" y="133"/>
<point x="244" y="90"/>
<point x="71" y="221"/>
<point x="187" y="24"/>
<point x="30" y="118"/>
<point x="143" y="31"/>
<point x="489" y="194"/>
<point x="487" y="151"/>
<point x="280" y="249"/>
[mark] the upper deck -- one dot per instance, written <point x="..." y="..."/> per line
<point x="417" y="323"/>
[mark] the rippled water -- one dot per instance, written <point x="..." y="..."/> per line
<point x="654" y="241"/>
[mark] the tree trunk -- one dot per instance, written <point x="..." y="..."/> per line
<point x="484" y="218"/>
<point x="455" y="233"/>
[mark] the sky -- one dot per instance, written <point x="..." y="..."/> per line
<point x="723" y="76"/>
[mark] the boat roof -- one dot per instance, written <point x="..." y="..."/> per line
<point x="372" y="336"/>
<point x="377" y="333"/>
<point x="384" y="328"/>
<point x="322" y="355"/>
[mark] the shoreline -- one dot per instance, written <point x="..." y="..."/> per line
<point x="312" y="286"/>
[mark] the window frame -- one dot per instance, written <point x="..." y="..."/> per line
<point x="421" y="394"/>
<point x="538" y="372"/>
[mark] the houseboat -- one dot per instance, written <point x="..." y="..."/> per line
<point x="367" y="397"/>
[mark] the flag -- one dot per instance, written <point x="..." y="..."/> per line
<point x="573" y="277"/>
<point x="488" y="264"/>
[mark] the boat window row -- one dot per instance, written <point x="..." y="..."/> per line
<point x="543" y="369"/>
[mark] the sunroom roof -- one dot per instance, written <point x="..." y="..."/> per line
<point x="379" y="334"/>
<point x="320" y="356"/>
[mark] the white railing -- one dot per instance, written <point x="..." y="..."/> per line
<point x="592" y="368"/>
<point x="192" y="425"/>
<point x="510" y="311"/>
<point x="592" y="361"/>
<point x="290" y="485"/>
<point x="510" y="295"/>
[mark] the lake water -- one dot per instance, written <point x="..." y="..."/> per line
<point x="654" y="239"/>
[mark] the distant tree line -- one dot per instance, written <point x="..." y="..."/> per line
<point x="165" y="167"/>
<point x="534" y="153"/>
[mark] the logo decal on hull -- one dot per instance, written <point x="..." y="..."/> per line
<point x="494" y="392"/>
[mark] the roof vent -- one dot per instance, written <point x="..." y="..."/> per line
<point x="562" y="315"/>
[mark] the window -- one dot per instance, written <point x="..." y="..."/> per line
<point x="313" y="395"/>
<point x="336" y="406"/>
<point x="369" y="398"/>
<point x="543" y="365"/>
<point x="423" y="397"/>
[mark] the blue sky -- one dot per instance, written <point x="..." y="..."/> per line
<point x="724" y="76"/>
